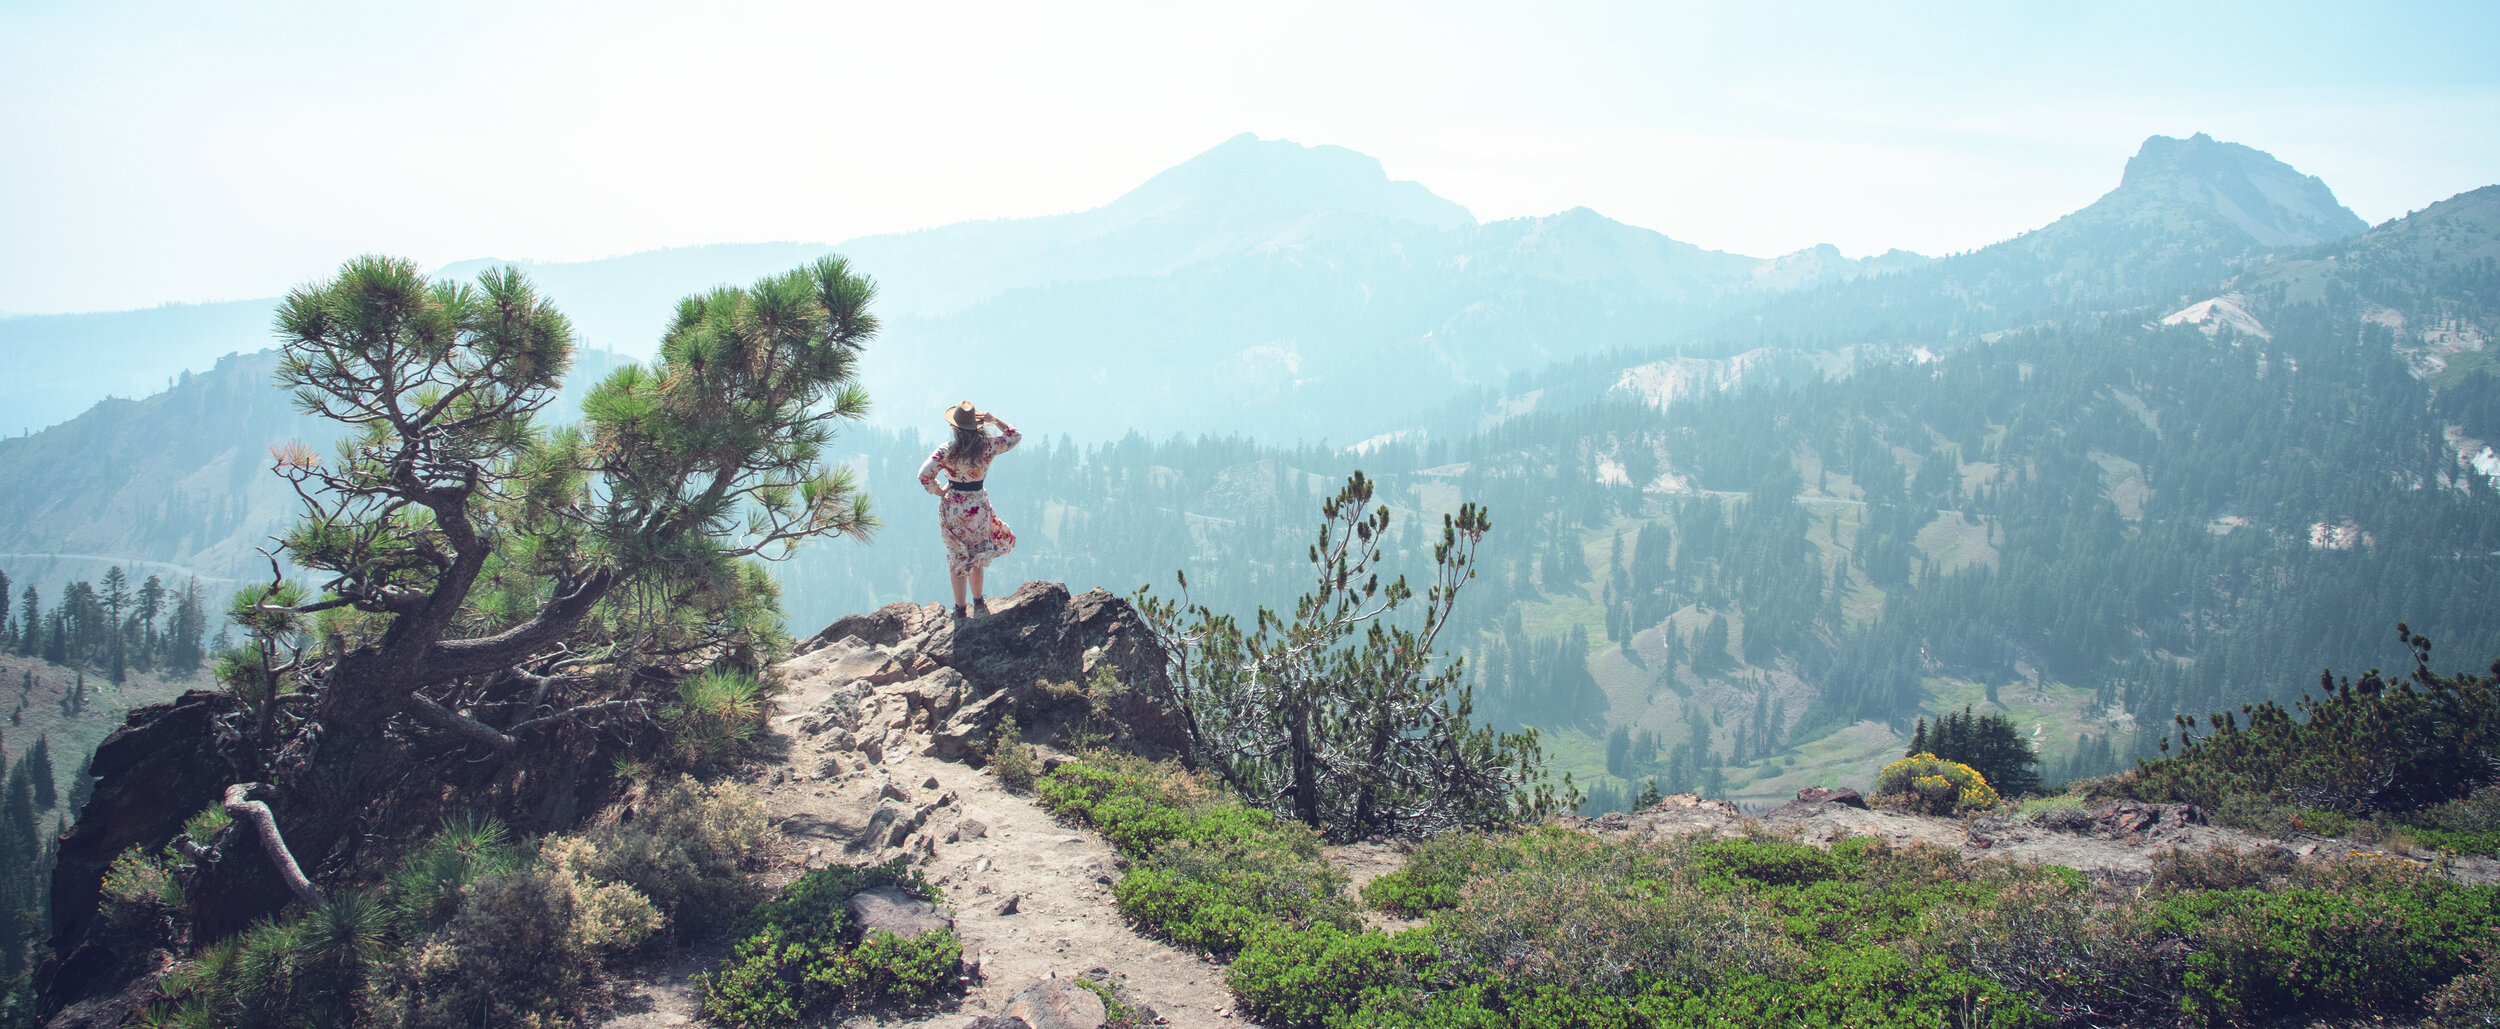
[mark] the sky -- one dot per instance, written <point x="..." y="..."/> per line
<point x="155" y="152"/>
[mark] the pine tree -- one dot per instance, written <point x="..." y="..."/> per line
<point x="1991" y="744"/>
<point x="152" y="594"/>
<point x="30" y="635"/>
<point x="40" y="762"/>
<point x="116" y="596"/>
<point x="21" y="861"/>
<point x="187" y="629"/>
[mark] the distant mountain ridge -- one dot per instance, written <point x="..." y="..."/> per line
<point x="1247" y="232"/>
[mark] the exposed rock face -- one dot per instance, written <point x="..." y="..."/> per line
<point x="1058" y="1004"/>
<point x="916" y="668"/>
<point x="1843" y="796"/>
<point x="887" y="909"/>
<point x="163" y="765"/>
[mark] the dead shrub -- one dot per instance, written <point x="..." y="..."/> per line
<point x="687" y="849"/>
<point x="2221" y="868"/>
<point x="1604" y="921"/>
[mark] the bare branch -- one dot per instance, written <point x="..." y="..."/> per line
<point x="242" y="802"/>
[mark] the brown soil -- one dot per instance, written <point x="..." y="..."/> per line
<point x="1064" y="924"/>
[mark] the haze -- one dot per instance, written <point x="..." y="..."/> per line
<point x="181" y="152"/>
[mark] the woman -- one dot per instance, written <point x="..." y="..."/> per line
<point x="974" y="534"/>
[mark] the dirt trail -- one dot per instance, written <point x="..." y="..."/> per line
<point x="981" y="844"/>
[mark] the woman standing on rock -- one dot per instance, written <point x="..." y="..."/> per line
<point x="974" y="534"/>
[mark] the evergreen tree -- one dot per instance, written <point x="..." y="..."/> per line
<point x="1991" y="744"/>
<point x="116" y="596"/>
<point x="151" y="605"/>
<point x="39" y="762"/>
<point x="30" y="620"/>
<point x="21" y="868"/>
<point x="187" y="630"/>
<point x="478" y="548"/>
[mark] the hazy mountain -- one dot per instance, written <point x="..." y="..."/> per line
<point x="1262" y="286"/>
<point x="2186" y="213"/>
<point x="2428" y="285"/>
<point x="60" y="364"/>
<point x="180" y="479"/>
<point x="1980" y="446"/>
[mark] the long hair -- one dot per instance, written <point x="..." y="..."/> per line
<point x="969" y="442"/>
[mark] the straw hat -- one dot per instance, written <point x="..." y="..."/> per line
<point x="962" y="416"/>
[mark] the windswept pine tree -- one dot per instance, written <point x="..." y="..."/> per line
<point x="475" y="580"/>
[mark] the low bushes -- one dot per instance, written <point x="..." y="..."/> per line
<point x="1932" y="785"/>
<point x="1205" y="870"/>
<point x="471" y="926"/>
<point x="1550" y="927"/>
<point x="798" y="954"/>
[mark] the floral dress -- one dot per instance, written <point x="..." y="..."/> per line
<point x="974" y="534"/>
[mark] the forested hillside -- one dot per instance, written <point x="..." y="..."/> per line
<point x="2170" y="454"/>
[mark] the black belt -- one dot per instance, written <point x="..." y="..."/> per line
<point x="965" y="487"/>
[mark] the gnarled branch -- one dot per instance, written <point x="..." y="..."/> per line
<point x="242" y="801"/>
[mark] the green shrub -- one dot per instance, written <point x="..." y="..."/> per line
<point x="1440" y="867"/>
<point x="795" y="956"/>
<point x="2309" y="951"/>
<point x="716" y="713"/>
<point x="1302" y="979"/>
<point x="512" y="952"/>
<point x="424" y="891"/>
<point x="1207" y="871"/>
<point x="1932" y="785"/>
<point x="2396" y="744"/>
<point x="138" y="888"/>
<point x="1011" y="757"/>
<point x="307" y="971"/>
<point x="687" y="849"/>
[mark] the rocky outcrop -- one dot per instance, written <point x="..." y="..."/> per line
<point x="914" y="669"/>
<point x="163" y="765"/>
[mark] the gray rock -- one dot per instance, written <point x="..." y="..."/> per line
<point x="973" y="828"/>
<point x="894" y="911"/>
<point x="911" y="823"/>
<point x="998" y="1022"/>
<point x="932" y="698"/>
<point x="1013" y="903"/>
<point x="1058" y="1004"/>
<point x="878" y="830"/>
<point x="1843" y="796"/>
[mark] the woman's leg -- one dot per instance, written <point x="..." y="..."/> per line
<point x="958" y="579"/>
<point x="976" y="580"/>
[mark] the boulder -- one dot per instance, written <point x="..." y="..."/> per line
<point x="891" y="910"/>
<point x="932" y="698"/>
<point x="1843" y="796"/>
<point x="959" y="678"/>
<point x="997" y="1022"/>
<point x="1058" y="1004"/>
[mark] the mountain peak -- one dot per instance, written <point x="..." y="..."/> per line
<point x="2271" y="201"/>
<point x="1277" y="175"/>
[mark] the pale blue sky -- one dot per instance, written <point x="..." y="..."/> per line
<point x="155" y="152"/>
